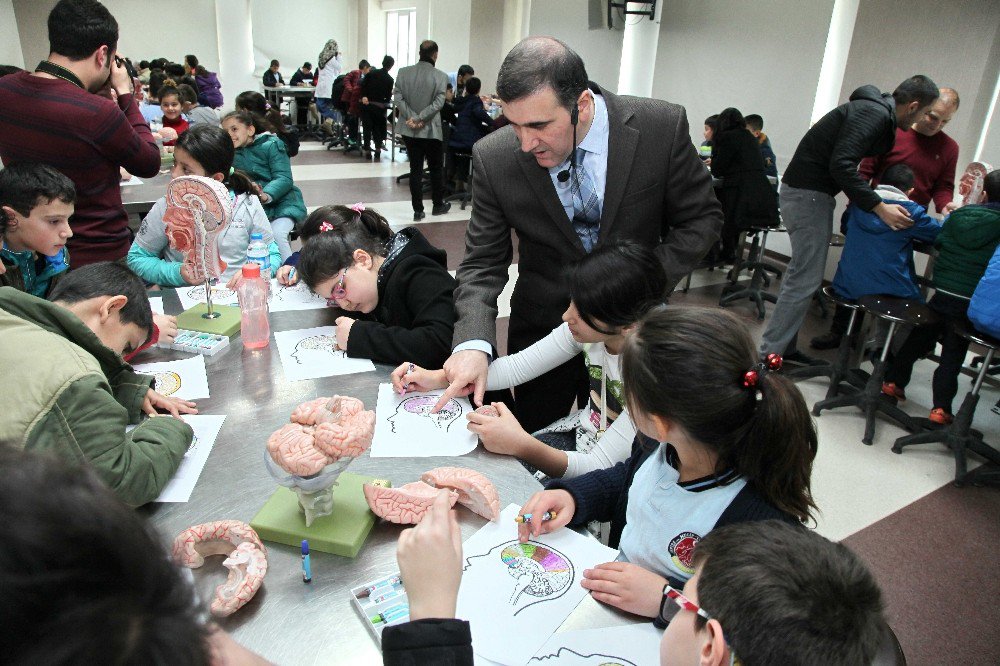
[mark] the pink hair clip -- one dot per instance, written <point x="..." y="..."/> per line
<point x="357" y="208"/>
<point x="325" y="226"/>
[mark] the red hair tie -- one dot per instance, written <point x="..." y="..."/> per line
<point x="325" y="226"/>
<point x="771" y="363"/>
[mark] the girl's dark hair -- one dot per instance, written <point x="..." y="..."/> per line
<point x="249" y="119"/>
<point x="168" y="88"/>
<point x="473" y="86"/>
<point x="191" y="61"/>
<point x="156" y="79"/>
<point x="255" y="103"/>
<point x="687" y="364"/>
<point x="616" y="284"/>
<point x="211" y="147"/>
<point x="201" y="71"/>
<point x="730" y="119"/>
<point x="329" y="252"/>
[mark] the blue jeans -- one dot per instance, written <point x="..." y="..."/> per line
<point x="326" y="109"/>
<point x="281" y="227"/>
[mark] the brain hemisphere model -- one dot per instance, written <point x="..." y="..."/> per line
<point x="405" y="505"/>
<point x="198" y="209"/>
<point x="246" y="561"/>
<point x="322" y="431"/>
<point x="475" y="491"/>
<point x="488" y="410"/>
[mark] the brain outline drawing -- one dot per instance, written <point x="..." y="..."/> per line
<point x="421" y="405"/>
<point x="197" y="293"/>
<point x="166" y="382"/>
<point x="540" y="570"/>
<point x="327" y="343"/>
<point x="595" y="658"/>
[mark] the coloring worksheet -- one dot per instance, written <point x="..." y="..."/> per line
<point x="309" y="353"/>
<point x="193" y="295"/>
<point x="293" y="297"/>
<point x="185" y="379"/>
<point x="629" y="645"/>
<point x="405" y="426"/>
<point x="524" y="590"/>
<point x="206" y="429"/>
<point x="156" y="304"/>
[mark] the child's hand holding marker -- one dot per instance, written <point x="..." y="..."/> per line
<point x="558" y="505"/>
<point x="430" y="561"/>
<point x="411" y="377"/>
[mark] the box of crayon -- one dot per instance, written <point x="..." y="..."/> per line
<point x="381" y="603"/>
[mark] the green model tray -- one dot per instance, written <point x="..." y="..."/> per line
<point x="227" y="323"/>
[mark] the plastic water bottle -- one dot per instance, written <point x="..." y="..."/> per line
<point x="257" y="254"/>
<point x="255" y="329"/>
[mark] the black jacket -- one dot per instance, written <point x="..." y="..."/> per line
<point x="747" y="197"/>
<point x="827" y="157"/>
<point x="472" y="122"/>
<point x="439" y="642"/>
<point x="415" y="316"/>
<point x="300" y="76"/>
<point x="377" y="86"/>
<point x="273" y="79"/>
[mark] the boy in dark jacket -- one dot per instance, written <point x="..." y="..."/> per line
<point x="965" y="245"/>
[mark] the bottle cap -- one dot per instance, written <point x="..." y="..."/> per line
<point x="256" y="236"/>
<point x="251" y="270"/>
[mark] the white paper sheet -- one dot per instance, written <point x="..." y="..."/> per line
<point x="134" y="180"/>
<point x="629" y="645"/>
<point x="191" y="296"/>
<point x="185" y="379"/>
<point x="294" y="297"/>
<point x="309" y="353"/>
<point x="206" y="429"/>
<point x="156" y="303"/>
<point x="516" y="595"/>
<point x="404" y="426"/>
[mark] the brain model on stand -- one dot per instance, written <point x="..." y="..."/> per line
<point x="198" y="209"/>
<point x="246" y="560"/>
<point x="408" y="503"/>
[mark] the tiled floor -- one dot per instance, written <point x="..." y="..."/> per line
<point x="934" y="547"/>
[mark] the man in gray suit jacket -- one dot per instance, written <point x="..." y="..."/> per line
<point x="635" y="154"/>
<point x="419" y="96"/>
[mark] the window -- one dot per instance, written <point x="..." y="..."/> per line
<point x="401" y="36"/>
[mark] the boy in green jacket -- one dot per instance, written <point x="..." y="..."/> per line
<point x="75" y="394"/>
<point x="965" y="245"/>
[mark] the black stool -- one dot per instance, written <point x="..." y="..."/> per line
<point x="959" y="436"/>
<point x="896" y="311"/>
<point x="840" y="371"/>
<point x="758" y="268"/>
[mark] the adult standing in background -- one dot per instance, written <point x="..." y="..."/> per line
<point x="825" y="163"/>
<point x="458" y="79"/>
<point x="419" y="96"/>
<point x="77" y="113"/>
<point x="330" y="66"/>
<point x="376" y="97"/>
<point x="577" y="166"/>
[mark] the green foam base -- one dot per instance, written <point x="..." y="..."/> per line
<point x="341" y="533"/>
<point x="227" y="323"/>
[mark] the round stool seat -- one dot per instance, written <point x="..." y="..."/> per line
<point x="840" y="300"/>
<point x="900" y="310"/>
<point x="837" y="240"/>
<point x="975" y="335"/>
<point x="755" y="229"/>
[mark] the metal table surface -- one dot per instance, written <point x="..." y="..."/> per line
<point x="289" y="621"/>
<point x="139" y="199"/>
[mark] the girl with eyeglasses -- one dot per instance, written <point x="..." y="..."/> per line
<point x="397" y="283"/>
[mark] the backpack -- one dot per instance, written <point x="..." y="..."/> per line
<point x="338" y="92"/>
<point x="984" y="308"/>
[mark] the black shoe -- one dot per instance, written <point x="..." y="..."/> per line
<point x="828" y="340"/>
<point x="419" y="215"/>
<point x="797" y="358"/>
<point x="442" y="209"/>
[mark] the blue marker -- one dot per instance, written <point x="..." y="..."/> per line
<point x="291" y="275"/>
<point x="306" y="568"/>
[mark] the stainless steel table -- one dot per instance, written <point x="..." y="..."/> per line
<point x="288" y="621"/>
<point x="139" y="199"/>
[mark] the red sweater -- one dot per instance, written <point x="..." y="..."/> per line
<point x="87" y="137"/>
<point x="932" y="158"/>
<point x="179" y="125"/>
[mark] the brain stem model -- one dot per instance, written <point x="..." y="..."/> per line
<point x="198" y="209"/>
<point x="308" y="454"/>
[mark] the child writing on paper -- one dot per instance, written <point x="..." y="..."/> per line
<point x="397" y="282"/>
<point x="729" y="441"/>
<point x="264" y="157"/>
<point x="204" y="150"/>
<point x="317" y="222"/>
<point x="610" y="288"/>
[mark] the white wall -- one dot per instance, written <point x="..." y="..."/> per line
<point x="10" y="41"/>
<point x="601" y="50"/>
<point x="486" y="37"/>
<point x="190" y="28"/>
<point x="296" y="33"/>
<point x="450" y="27"/>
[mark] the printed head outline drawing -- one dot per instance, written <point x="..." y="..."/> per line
<point x="569" y="657"/>
<point x="166" y="383"/>
<point x="192" y="446"/>
<point x="197" y="293"/>
<point x="316" y="343"/>
<point x="421" y="405"/>
<point x="198" y="209"/>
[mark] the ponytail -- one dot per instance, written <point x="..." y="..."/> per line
<point x="689" y="365"/>
<point x="255" y="103"/>
<point x="334" y="234"/>
<point x="239" y="182"/>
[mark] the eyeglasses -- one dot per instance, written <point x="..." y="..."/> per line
<point x="670" y="594"/>
<point x="339" y="291"/>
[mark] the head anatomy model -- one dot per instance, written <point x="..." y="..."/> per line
<point x="198" y="209"/>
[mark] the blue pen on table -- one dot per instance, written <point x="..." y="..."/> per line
<point x="391" y="614"/>
<point x="306" y="567"/>
<point x="526" y="517"/>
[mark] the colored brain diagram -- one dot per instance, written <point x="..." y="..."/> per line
<point x="185" y="379"/>
<point x="407" y="426"/>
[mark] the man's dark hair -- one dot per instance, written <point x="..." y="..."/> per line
<point x="899" y="176"/>
<point x="785" y="595"/>
<point x="537" y="62"/>
<point x="78" y="564"/>
<point x="387" y="62"/>
<point x="24" y="185"/>
<point x="143" y="64"/>
<point x="472" y="86"/>
<point x="465" y="70"/>
<point x="107" y="278"/>
<point x="306" y="65"/>
<point x="428" y="48"/>
<point x="754" y="122"/>
<point x="991" y="185"/>
<point x="156" y="79"/>
<point x="77" y="28"/>
<point x="918" y="88"/>
<point x="9" y="69"/>
<point x="175" y="71"/>
<point x="363" y="64"/>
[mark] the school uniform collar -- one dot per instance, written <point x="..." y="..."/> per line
<point x="701" y="484"/>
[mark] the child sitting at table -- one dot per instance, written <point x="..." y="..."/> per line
<point x="263" y="156"/>
<point x="727" y="441"/>
<point x="77" y="402"/>
<point x="170" y="104"/>
<point x="317" y="222"/>
<point x="196" y="114"/>
<point x="256" y="104"/>
<point x="762" y="592"/>
<point x="610" y="289"/>
<point x="204" y="150"/>
<point x="397" y="282"/>
<point x="36" y="202"/>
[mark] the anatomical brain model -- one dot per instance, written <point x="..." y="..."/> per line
<point x="408" y="503"/>
<point x="246" y="561"/>
<point x="970" y="187"/>
<point x="198" y="209"/>
<point x="324" y="436"/>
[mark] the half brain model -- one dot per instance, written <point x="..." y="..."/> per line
<point x="408" y="503"/>
<point x="321" y="432"/>
<point x="246" y="560"/>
